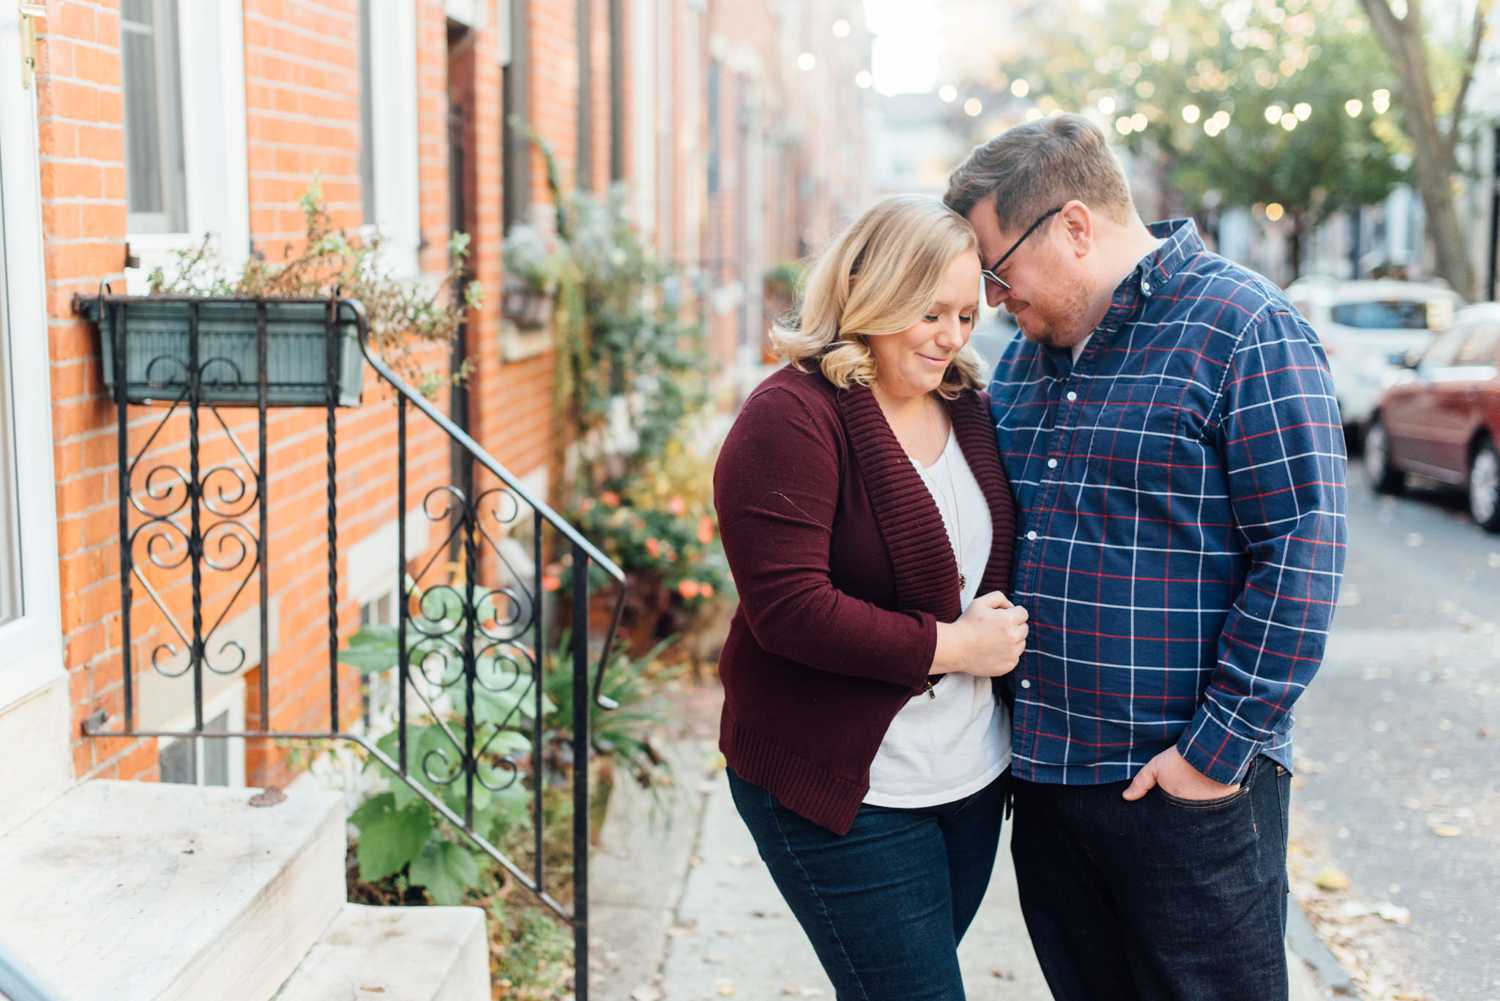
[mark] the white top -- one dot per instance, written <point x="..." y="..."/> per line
<point x="941" y="749"/>
<point x="1078" y="348"/>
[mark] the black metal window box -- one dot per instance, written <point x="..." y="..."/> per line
<point x="155" y="335"/>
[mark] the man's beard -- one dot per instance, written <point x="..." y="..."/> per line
<point x="1063" y="319"/>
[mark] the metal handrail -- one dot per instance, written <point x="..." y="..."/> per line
<point x="18" y="983"/>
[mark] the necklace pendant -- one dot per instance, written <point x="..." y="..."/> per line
<point x="963" y="581"/>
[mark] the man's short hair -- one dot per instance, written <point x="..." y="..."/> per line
<point x="1038" y="166"/>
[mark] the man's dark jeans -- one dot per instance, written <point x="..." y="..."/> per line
<point x="886" y="904"/>
<point x="1161" y="899"/>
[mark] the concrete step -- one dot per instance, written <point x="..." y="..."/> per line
<point x="142" y="891"/>
<point x="396" y="954"/>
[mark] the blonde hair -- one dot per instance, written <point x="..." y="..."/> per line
<point x="879" y="276"/>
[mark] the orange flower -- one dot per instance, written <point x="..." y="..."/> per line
<point x="707" y="591"/>
<point x="611" y="498"/>
<point x="689" y="588"/>
<point x="551" y="581"/>
<point x="653" y="547"/>
<point x="705" y="530"/>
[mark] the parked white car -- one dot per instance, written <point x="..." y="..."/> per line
<point x="1363" y="323"/>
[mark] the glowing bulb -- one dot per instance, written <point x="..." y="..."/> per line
<point x="1107" y="105"/>
<point x="841" y="28"/>
<point x="1354" y="106"/>
<point x="1138" y="121"/>
<point x="863" y="79"/>
<point x="1303" y="111"/>
<point x="1274" y="211"/>
<point x="973" y="106"/>
<point x="1289" y="121"/>
<point x="1123" y="125"/>
<point x="948" y="93"/>
<point x="1190" y="114"/>
<point x="1381" y="101"/>
<point x="1273" y="114"/>
<point x="1020" y="88"/>
<point x="806" y="61"/>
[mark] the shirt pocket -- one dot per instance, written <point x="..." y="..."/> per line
<point x="1135" y="430"/>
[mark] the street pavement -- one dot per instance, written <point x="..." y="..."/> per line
<point x="1398" y="753"/>
<point x="684" y="910"/>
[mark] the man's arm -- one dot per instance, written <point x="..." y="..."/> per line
<point x="1282" y="445"/>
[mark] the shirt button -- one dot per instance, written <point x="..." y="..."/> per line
<point x="1072" y="396"/>
<point x="1031" y="536"/>
<point x="1145" y="287"/>
<point x="1051" y="463"/>
<point x="1025" y="683"/>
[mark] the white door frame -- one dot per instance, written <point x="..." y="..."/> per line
<point x="31" y="648"/>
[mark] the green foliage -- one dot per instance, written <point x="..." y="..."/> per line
<point x="1237" y="61"/>
<point x="624" y="733"/>
<point x="406" y="317"/>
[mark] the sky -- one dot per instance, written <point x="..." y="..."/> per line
<point x="904" y="57"/>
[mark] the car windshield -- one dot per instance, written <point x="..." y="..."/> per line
<point x="1385" y="314"/>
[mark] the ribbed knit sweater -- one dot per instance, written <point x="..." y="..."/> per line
<point x="844" y="569"/>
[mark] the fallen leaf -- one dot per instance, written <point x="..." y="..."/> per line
<point x="1394" y="913"/>
<point x="1445" y="830"/>
<point x="1332" y="880"/>
<point x="646" y="992"/>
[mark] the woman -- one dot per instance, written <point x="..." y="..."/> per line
<point x="868" y="525"/>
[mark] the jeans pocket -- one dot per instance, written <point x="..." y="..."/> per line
<point x="1206" y="804"/>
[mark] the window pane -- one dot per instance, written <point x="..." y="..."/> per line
<point x="366" y="117"/>
<point x="216" y="752"/>
<point x="155" y="183"/>
<point x="1389" y="314"/>
<point x="10" y="535"/>
<point x="1480" y="348"/>
<point x="178" y="762"/>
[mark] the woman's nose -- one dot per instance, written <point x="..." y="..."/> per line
<point x="950" y="336"/>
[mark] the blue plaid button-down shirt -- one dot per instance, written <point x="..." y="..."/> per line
<point x="1182" y="531"/>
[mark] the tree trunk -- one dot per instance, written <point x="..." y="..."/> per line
<point x="1433" y="150"/>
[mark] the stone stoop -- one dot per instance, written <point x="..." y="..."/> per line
<point x="396" y="954"/>
<point x="144" y="891"/>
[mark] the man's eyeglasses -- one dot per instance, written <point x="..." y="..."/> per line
<point x="992" y="273"/>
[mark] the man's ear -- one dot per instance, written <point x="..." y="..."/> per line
<point x="1078" y="227"/>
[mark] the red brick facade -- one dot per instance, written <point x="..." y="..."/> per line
<point x="787" y="170"/>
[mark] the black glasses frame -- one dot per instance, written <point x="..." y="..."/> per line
<point x="992" y="273"/>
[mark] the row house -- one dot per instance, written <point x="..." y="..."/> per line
<point x="182" y="567"/>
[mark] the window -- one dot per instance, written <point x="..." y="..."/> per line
<point x="366" y="117"/>
<point x="515" y="152"/>
<point x="377" y="692"/>
<point x="208" y="761"/>
<point x="156" y="182"/>
<point x="1387" y="314"/>
<point x="1480" y="348"/>
<point x="10" y="476"/>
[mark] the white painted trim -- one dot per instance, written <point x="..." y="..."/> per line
<point x="32" y="644"/>
<point x="393" y="81"/>
<point x="231" y="701"/>
<point x="211" y="56"/>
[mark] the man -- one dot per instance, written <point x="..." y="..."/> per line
<point x="1169" y="428"/>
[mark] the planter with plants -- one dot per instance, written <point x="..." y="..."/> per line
<point x="297" y="298"/>
<point x="530" y="281"/>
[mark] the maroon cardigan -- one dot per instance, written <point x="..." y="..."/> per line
<point x="844" y="570"/>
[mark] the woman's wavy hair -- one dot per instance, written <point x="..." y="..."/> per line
<point x="879" y="276"/>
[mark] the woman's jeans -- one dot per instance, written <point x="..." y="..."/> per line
<point x="886" y="904"/>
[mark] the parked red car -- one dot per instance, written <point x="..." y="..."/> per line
<point x="1440" y="418"/>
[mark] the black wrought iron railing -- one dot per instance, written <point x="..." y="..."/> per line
<point x="198" y="516"/>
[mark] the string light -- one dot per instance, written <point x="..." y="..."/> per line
<point x="1107" y="105"/>
<point x="947" y="93"/>
<point x="973" y="106"/>
<point x="1289" y="121"/>
<point x="1275" y="211"/>
<point x="806" y="61"/>
<point x="1190" y="114"/>
<point x="1020" y="88"/>
<point x="1354" y="106"/>
<point x="1273" y="114"/>
<point x="863" y="79"/>
<point x="841" y="28"/>
<point x="1124" y="125"/>
<point x="1381" y="101"/>
<point x="1138" y="121"/>
<point x="1303" y="111"/>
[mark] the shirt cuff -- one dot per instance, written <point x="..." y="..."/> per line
<point x="1217" y="751"/>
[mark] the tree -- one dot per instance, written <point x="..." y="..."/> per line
<point x="1235" y="105"/>
<point x="1434" y="145"/>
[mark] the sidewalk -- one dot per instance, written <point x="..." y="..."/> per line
<point x="683" y="909"/>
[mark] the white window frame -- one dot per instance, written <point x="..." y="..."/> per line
<point x="211" y="69"/>
<point x="231" y="703"/>
<point x="393" y="78"/>
<point x="32" y="643"/>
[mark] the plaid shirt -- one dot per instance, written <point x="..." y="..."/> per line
<point x="1182" y="523"/>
